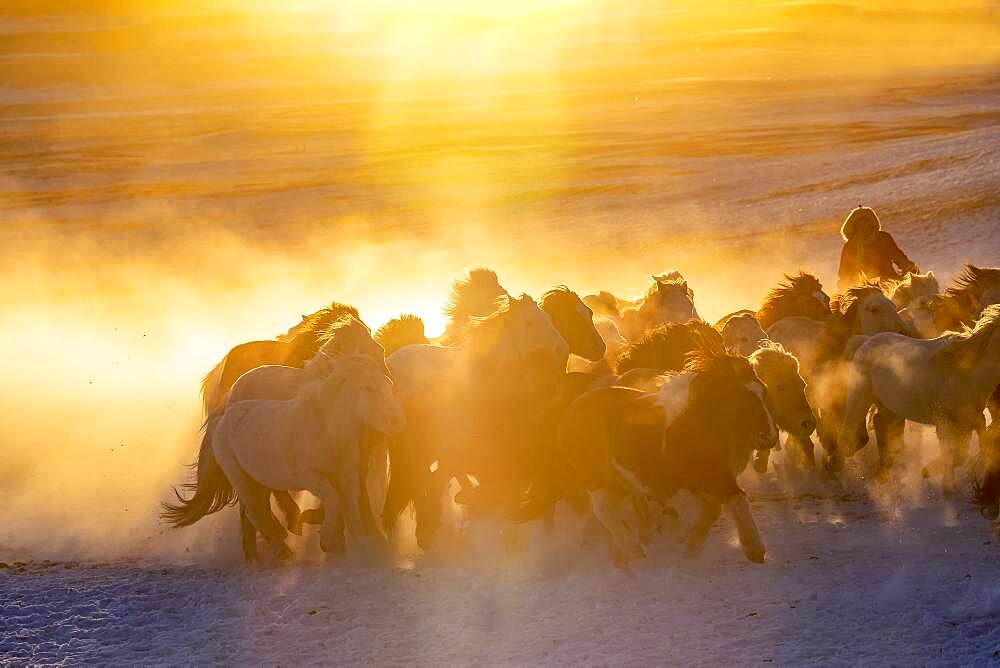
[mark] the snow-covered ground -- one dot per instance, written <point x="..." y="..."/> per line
<point x="844" y="583"/>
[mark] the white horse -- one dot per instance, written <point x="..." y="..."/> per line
<point x="911" y="287"/>
<point x="914" y="297"/>
<point x="944" y="382"/>
<point x="311" y="442"/>
<point x="741" y="332"/>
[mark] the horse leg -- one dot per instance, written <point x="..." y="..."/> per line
<point x="806" y="450"/>
<point x="609" y="511"/>
<point x="993" y="406"/>
<point x="427" y="505"/>
<point x="853" y="425"/>
<point x="331" y="533"/>
<point x="889" y="439"/>
<point x="351" y="489"/>
<point x="399" y="493"/>
<point x="248" y="534"/>
<point x="368" y="445"/>
<point x="257" y="502"/>
<point x="709" y="511"/>
<point x="739" y="509"/>
<point x="761" y="458"/>
<point x="952" y="439"/>
<point x="290" y="509"/>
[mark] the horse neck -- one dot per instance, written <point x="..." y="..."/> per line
<point x="338" y="411"/>
<point x="775" y="311"/>
<point x="985" y="373"/>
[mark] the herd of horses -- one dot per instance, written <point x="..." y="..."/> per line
<point x="608" y="405"/>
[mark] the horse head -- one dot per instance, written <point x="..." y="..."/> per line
<point x="377" y="405"/>
<point x="742" y="334"/>
<point x="349" y="336"/>
<point x="672" y="299"/>
<point x="872" y="312"/>
<point x="811" y="300"/>
<point x="575" y="322"/>
<point x="786" y="397"/>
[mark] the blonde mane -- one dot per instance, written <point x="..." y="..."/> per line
<point x="969" y="344"/>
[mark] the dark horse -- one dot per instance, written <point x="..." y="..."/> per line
<point x="620" y="446"/>
<point x="800" y="295"/>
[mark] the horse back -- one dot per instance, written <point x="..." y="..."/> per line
<point x="253" y="354"/>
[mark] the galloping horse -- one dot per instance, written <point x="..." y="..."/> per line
<point x="458" y="399"/>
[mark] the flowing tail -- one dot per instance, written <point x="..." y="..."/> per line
<point x="210" y="490"/>
<point x="212" y="393"/>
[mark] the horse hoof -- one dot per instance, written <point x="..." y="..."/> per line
<point x="283" y="553"/>
<point x="756" y="555"/>
<point x="620" y="561"/>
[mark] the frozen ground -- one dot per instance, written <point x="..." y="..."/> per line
<point x="843" y="584"/>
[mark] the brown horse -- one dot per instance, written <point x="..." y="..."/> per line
<point x="294" y="348"/>
<point x="962" y="301"/>
<point x="800" y="295"/>
<point x="666" y="347"/>
<point x="574" y="321"/>
<point x="621" y="446"/>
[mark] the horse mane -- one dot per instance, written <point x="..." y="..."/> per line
<point x="778" y="302"/>
<point x="712" y="365"/>
<point x="405" y="330"/>
<point x="968" y="345"/>
<point x="839" y="328"/>
<point x="556" y="294"/>
<point x="340" y="326"/>
<point x="321" y="320"/>
<point x="665" y="347"/>
<point x="966" y="290"/>
<point x="474" y="295"/>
